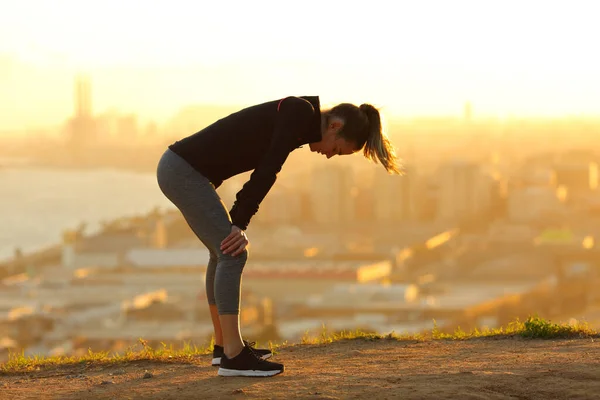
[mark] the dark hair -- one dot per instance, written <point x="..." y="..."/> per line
<point x="362" y="126"/>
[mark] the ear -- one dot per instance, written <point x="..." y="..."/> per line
<point x="336" y="125"/>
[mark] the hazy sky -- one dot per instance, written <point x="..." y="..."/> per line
<point x="411" y="57"/>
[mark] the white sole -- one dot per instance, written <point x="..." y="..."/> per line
<point x="249" y="372"/>
<point x="217" y="360"/>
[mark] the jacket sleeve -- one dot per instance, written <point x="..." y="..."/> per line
<point x="293" y="118"/>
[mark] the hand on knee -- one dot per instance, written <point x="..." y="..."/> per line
<point x="235" y="243"/>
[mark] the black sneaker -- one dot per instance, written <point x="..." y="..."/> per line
<point x="248" y="363"/>
<point x="218" y="352"/>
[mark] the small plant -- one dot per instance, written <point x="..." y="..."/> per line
<point x="539" y="328"/>
<point x="533" y="328"/>
<point x="18" y="362"/>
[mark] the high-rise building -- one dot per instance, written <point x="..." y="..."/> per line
<point x="127" y="127"/>
<point x="577" y="176"/>
<point x="393" y="197"/>
<point x="464" y="190"/>
<point x="577" y="181"/>
<point x="81" y="127"/>
<point x="468" y="112"/>
<point x="333" y="195"/>
<point x="534" y="203"/>
<point x="280" y="206"/>
<point x="83" y="97"/>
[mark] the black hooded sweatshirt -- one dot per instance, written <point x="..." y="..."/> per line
<point x="258" y="138"/>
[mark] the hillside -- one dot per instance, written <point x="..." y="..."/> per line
<point x="486" y="368"/>
<point x="535" y="359"/>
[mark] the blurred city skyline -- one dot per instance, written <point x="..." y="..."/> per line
<point x="430" y="58"/>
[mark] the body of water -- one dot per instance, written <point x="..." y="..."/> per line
<point x="38" y="204"/>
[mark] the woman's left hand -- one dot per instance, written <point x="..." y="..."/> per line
<point x="235" y="242"/>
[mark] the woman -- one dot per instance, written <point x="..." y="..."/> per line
<point x="257" y="138"/>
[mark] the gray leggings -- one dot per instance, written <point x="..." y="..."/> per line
<point x="205" y="213"/>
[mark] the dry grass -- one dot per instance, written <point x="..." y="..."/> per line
<point x="533" y="327"/>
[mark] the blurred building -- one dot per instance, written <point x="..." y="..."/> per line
<point x="538" y="177"/>
<point x="468" y="112"/>
<point x="145" y="238"/>
<point x="365" y="205"/>
<point x="578" y="178"/>
<point x="116" y="127"/>
<point x="464" y="190"/>
<point x="295" y="281"/>
<point x="533" y="204"/>
<point x="426" y="191"/>
<point x="81" y="128"/>
<point x="333" y="195"/>
<point x="393" y="197"/>
<point x="281" y="206"/>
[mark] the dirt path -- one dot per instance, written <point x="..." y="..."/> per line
<point x="474" y="369"/>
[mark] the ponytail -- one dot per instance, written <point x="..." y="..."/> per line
<point x="378" y="147"/>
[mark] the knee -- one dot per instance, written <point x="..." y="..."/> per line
<point x="242" y="257"/>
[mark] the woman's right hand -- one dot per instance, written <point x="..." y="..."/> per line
<point x="235" y="243"/>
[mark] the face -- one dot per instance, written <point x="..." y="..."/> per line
<point x="331" y="144"/>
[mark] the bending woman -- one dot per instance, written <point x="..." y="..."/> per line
<point x="257" y="138"/>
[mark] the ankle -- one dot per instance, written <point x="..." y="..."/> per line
<point x="233" y="350"/>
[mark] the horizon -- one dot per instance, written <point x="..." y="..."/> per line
<point x="497" y="59"/>
<point x="389" y="118"/>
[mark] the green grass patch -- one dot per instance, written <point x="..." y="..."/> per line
<point x="539" y="328"/>
<point x="532" y="328"/>
<point x="18" y="362"/>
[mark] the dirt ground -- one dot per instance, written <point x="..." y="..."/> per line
<point x="474" y="369"/>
